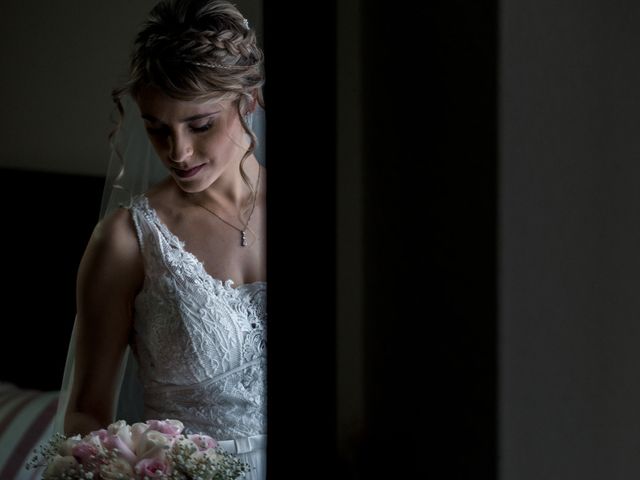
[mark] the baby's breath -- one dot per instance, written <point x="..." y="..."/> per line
<point x="188" y="467"/>
<point x="45" y="452"/>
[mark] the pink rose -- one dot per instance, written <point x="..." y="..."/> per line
<point x="203" y="442"/>
<point x="99" y="434"/>
<point x="84" y="452"/>
<point x="170" y="427"/>
<point x="113" y="442"/>
<point x="95" y="440"/>
<point x="152" y="468"/>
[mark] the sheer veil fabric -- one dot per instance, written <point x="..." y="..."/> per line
<point x="130" y="173"/>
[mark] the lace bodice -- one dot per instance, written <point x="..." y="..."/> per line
<point x="200" y="342"/>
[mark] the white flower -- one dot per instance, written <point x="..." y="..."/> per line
<point x="122" y="430"/>
<point x="186" y="444"/>
<point x="115" y="426"/>
<point x="137" y="430"/>
<point x="116" y="469"/>
<point x="59" y="465"/>
<point x="210" y="454"/>
<point x="67" y="445"/>
<point x="153" y="444"/>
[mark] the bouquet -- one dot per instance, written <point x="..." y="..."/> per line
<point x="151" y="450"/>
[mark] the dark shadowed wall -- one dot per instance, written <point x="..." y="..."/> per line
<point x="570" y="240"/>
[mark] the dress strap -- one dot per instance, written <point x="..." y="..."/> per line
<point x="138" y="216"/>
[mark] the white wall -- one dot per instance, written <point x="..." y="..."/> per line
<point x="570" y="240"/>
<point x="60" y="60"/>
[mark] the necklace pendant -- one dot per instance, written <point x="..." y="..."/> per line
<point x="244" y="239"/>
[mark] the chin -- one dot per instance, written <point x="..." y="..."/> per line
<point x="195" y="185"/>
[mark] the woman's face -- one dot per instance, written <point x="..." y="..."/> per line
<point x="197" y="141"/>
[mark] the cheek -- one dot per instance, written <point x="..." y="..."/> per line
<point x="216" y="147"/>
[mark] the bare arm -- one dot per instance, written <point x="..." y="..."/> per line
<point x="109" y="277"/>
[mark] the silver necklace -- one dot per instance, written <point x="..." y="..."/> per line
<point x="243" y="230"/>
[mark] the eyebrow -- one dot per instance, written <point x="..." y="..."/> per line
<point x="151" y="118"/>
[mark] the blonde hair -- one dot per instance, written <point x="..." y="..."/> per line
<point x="198" y="50"/>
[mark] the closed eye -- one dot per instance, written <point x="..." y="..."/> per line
<point x="159" y="129"/>
<point x="203" y="128"/>
<point x="164" y="131"/>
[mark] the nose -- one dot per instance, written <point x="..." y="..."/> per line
<point x="180" y="148"/>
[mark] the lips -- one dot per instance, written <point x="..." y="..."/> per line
<point x="188" y="173"/>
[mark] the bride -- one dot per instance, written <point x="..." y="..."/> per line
<point x="177" y="277"/>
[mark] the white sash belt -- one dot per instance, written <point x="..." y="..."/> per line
<point x="244" y="444"/>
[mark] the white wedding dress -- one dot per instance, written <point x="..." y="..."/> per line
<point x="200" y="344"/>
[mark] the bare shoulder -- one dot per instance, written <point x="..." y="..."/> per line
<point x="112" y="259"/>
<point x="116" y="234"/>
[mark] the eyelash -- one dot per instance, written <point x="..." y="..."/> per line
<point x="203" y="128"/>
<point x="163" y="131"/>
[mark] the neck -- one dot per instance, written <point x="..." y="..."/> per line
<point x="230" y="190"/>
